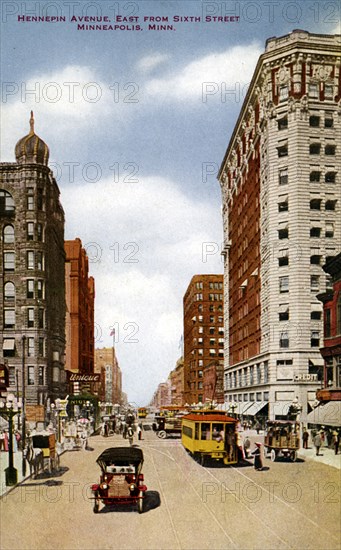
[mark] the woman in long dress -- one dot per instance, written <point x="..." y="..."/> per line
<point x="257" y="453"/>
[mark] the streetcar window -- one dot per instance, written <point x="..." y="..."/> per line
<point x="205" y="431"/>
<point x="186" y="430"/>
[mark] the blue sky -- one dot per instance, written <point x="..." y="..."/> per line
<point x="135" y="143"/>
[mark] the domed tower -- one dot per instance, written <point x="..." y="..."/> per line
<point x="31" y="148"/>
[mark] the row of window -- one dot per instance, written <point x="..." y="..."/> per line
<point x="34" y="231"/>
<point x="313" y="91"/>
<point x="216" y="286"/>
<point x="249" y="397"/>
<point x="34" y="318"/>
<point x="284" y="283"/>
<point x="247" y="376"/>
<point x="33" y="346"/>
<point x="212" y="308"/>
<point x="34" y="260"/>
<point x="314" y="121"/>
<point x="284" y="314"/>
<point x="314" y="176"/>
<point x="314" y="339"/>
<point x="211" y="297"/>
<point x="33" y="201"/>
<point x="212" y="341"/>
<point x="314" y="260"/>
<point x="212" y="352"/>
<point x="314" y="149"/>
<point x="35" y="375"/>
<point x="34" y="288"/>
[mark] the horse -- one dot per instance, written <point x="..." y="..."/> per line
<point x="35" y="458"/>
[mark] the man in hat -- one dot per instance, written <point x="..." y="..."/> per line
<point x="257" y="452"/>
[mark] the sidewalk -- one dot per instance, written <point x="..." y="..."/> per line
<point x="17" y="462"/>
<point x="327" y="456"/>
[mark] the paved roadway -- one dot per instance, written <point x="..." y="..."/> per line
<point x="288" y="505"/>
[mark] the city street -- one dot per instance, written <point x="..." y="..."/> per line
<point x="288" y="505"/>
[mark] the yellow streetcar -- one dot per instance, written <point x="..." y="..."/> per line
<point x="142" y="412"/>
<point x="210" y="434"/>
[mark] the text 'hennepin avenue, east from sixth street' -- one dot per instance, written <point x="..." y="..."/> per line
<point x="127" y="19"/>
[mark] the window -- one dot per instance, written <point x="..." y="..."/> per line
<point x="41" y="347"/>
<point x="283" y="233"/>
<point x="329" y="230"/>
<point x="314" y="282"/>
<point x="199" y="297"/>
<point x="30" y="198"/>
<point x="313" y="91"/>
<point x="284" y="284"/>
<point x="328" y="121"/>
<point x="330" y="177"/>
<point x="315" y="259"/>
<point x="284" y="339"/>
<point x="30" y="231"/>
<point x="40" y="199"/>
<point x="30" y="259"/>
<point x="283" y="176"/>
<point x="283" y="206"/>
<point x="9" y="292"/>
<point x="266" y="372"/>
<point x="315" y="231"/>
<point x="40" y="261"/>
<point x="282" y="150"/>
<point x="30" y="347"/>
<point x="6" y="203"/>
<point x="41" y="318"/>
<point x="328" y="91"/>
<point x="30" y="317"/>
<point x="9" y="261"/>
<point x="8" y="234"/>
<point x="330" y="149"/>
<point x="9" y="318"/>
<point x="30" y="376"/>
<point x="212" y="330"/>
<point x="283" y="260"/>
<point x="315" y="176"/>
<point x="212" y="352"/>
<point x="199" y="286"/>
<point x="40" y="289"/>
<point x="283" y="93"/>
<point x="30" y="288"/>
<point x="284" y="315"/>
<point x="315" y="204"/>
<point x="315" y="339"/>
<point x="283" y="123"/>
<point x="9" y="347"/>
<point x="315" y="315"/>
<point x="41" y="376"/>
<point x="315" y="148"/>
<point x="314" y="121"/>
<point x="327" y="324"/>
<point x="251" y="377"/>
<point x="39" y="232"/>
<point x="330" y="205"/>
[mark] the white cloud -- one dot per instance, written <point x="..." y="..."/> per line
<point x="228" y="70"/>
<point x="148" y="240"/>
<point x="150" y="62"/>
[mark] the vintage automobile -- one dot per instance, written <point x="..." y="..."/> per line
<point x="167" y="425"/>
<point x="121" y="480"/>
<point x="282" y="438"/>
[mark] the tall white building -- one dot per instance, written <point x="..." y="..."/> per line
<point x="281" y="188"/>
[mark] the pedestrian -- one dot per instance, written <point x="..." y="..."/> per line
<point x="6" y="440"/>
<point x="336" y="441"/>
<point x="2" y="441"/>
<point x="139" y="432"/>
<point x="84" y="439"/>
<point x="305" y="438"/>
<point x="257" y="427"/>
<point x="130" y="434"/>
<point x="247" y="445"/>
<point x="317" y="443"/>
<point x="257" y="453"/>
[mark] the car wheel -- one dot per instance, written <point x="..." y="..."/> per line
<point x="293" y="456"/>
<point x="273" y="455"/>
<point x="96" y="506"/>
<point x="162" y="434"/>
<point x="140" y="504"/>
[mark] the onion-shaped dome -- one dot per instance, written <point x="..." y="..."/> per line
<point x="32" y="149"/>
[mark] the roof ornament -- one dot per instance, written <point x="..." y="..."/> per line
<point x="31" y="124"/>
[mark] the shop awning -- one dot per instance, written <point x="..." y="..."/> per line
<point x="328" y="414"/>
<point x="281" y="408"/>
<point x="255" y="408"/>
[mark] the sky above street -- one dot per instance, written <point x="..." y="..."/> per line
<point x="137" y="122"/>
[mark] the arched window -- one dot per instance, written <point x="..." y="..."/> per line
<point x="6" y="202"/>
<point x="8" y="234"/>
<point x="9" y="291"/>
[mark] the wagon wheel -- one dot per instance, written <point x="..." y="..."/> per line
<point x="162" y="434"/>
<point x="140" y="503"/>
<point x="273" y="455"/>
<point x="293" y="456"/>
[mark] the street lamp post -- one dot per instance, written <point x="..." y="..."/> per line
<point x="8" y="410"/>
<point x="23" y="404"/>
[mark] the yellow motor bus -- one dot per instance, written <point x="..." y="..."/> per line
<point x="210" y="434"/>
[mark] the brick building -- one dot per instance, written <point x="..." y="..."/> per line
<point x="80" y="298"/>
<point x="203" y="332"/>
<point x="32" y="259"/>
<point x="213" y="382"/>
<point x="106" y="364"/>
<point x="176" y="378"/>
<point x="281" y="188"/>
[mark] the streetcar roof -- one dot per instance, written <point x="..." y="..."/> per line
<point x="209" y="417"/>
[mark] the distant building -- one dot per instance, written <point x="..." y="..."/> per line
<point x="32" y="301"/>
<point x="162" y="397"/>
<point x="80" y="298"/>
<point x="176" y="378"/>
<point x="281" y="189"/>
<point x="106" y="364"/>
<point x="203" y="332"/>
